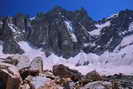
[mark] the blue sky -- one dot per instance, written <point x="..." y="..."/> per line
<point x="97" y="9"/>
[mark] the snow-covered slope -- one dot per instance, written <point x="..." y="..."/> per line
<point x="105" y="46"/>
<point x="119" y="61"/>
<point x="99" y="28"/>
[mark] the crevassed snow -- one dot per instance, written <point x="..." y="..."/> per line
<point x="107" y="64"/>
<point x="99" y="28"/>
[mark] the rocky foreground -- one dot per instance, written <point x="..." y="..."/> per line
<point x="17" y="72"/>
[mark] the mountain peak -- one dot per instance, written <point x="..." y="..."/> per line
<point x="66" y="33"/>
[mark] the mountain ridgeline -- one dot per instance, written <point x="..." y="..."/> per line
<point x="65" y="33"/>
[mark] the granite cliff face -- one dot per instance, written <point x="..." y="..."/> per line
<point x="65" y="33"/>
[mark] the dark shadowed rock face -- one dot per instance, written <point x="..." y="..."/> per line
<point x="11" y="47"/>
<point x="59" y="30"/>
<point x="63" y="32"/>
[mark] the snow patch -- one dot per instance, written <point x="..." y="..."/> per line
<point x="130" y="26"/>
<point x="69" y="26"/>
<point x="32" y="18"/>
<point x="73" y="37"/>
<point x="71" y="30"/>
<point x="106" y="24"/>
<point x="130" y="29"/>
<point x="99" y="28"/>
<point x="114" y="15"/>
<point x="12" y="27"/>
<point x="39" y="81"/>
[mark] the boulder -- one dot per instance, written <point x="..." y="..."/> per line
<point x="37" y="64"/>
<point x="9" y="76"/>
<point x="93" y="76"/>
<point x="89" y="77"/>
<point x="33" y="68"/>
<point x="65" y="72"/>
<point x="25" y="72"/>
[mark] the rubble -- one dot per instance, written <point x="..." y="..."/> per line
<point x="98" y="85"/>
<point x="14" y="76"/>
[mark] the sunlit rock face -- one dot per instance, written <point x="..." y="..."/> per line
<point x="65" y="33"/>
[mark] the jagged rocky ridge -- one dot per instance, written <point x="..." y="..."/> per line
<point x="65" y="33"/>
